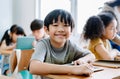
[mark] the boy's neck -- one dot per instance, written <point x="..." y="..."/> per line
<point x="57" y="45"/>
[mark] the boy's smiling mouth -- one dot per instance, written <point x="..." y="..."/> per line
<point x="60" y="35"/>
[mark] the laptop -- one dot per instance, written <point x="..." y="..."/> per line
<point x="25" y="43"/>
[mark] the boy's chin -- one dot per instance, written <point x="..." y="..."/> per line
<point x="61" y="41"/>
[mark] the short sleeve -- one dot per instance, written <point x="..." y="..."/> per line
<point x="40" y="51"/>
<point x="81" y="52"/>
<point x="95" y="42"/>
<point x="78" y="51"/>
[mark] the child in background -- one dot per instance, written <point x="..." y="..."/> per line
<point x="51" y="54"/>
<point x="8" y="42"/>
<point x="9" y="39"/>
<point x="37" y="29"/>
<point x="113" y="7"/>
<point x="99" y="29"/>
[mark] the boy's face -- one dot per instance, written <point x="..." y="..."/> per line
<point x="59" y="32"/>
<point x="38" y="34"/>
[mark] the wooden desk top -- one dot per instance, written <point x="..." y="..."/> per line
<point x="107" y="73"/>
<point x="5" y="77"/>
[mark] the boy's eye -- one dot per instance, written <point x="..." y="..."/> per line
<point x="66" y="25"/>
<point x="55" y="25"/>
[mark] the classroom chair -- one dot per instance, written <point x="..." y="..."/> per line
<point x="19" y="62"/>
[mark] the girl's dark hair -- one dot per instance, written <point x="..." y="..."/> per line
<point x="113" y="3"/>
<point x="106" y="18"/>
<point x="55" y="14"/>
<point x="36" y="24"/>
<point x="96" y="25"/>
<point x="14" y="29"/>
<point x="113" y="15"/>
<point x="93" y="28"/>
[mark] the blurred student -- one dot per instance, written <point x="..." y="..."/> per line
<point x="9" y="38"/>
<point x="114" y="8"/>
<point x="8" y="42"/>
<point x="100" y="29"/>
<point x="51" y="54"/>
<point x="37" y="29"/>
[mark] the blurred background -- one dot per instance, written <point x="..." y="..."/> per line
<point x="22" y="12"/>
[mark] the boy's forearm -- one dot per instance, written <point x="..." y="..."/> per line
<point x="40" y="68"/>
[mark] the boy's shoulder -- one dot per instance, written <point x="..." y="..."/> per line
<point x="44" y="40"/>
<point x="72" y="44"/>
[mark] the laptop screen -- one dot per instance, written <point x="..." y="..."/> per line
<point x="24" y="43"/>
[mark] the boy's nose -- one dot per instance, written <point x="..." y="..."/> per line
<point x="60" y="28"/>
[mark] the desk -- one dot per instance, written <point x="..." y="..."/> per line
<point x="5" y="77"/>
<point x="107" y="73"/>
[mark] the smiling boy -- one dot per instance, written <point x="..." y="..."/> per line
<point x="53" y="53"/>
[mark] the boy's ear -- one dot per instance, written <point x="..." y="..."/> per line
<point x="46" y="29"/>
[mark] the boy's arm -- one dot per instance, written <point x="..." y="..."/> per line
<point x="37" y="67"/>
<point x="41" y="68"/>
<point x="86" y="59"/>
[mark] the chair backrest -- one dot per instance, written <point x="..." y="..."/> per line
<point x="24" y="60"/>
<point x="25" y="43"/>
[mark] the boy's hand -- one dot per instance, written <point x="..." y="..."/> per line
<point x="80" y="61"/>
<point x="84" y="69"/>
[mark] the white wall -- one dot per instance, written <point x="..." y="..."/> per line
<point x="21" y="12"/>
<point x="24" y="13"/>
<point x="5" y="15"/>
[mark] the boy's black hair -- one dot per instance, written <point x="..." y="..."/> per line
<point x="96" y="25"/>
<point x="14" y="29"/>
<point x="36" y="24"/>
<point x="55" y="14"/>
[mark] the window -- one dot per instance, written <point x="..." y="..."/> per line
<point x="80" y="10"/>
<point x="87" y="8"/>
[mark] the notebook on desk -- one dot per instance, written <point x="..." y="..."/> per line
<point x="25" y="43"/>
<point x="107" y="63"/>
